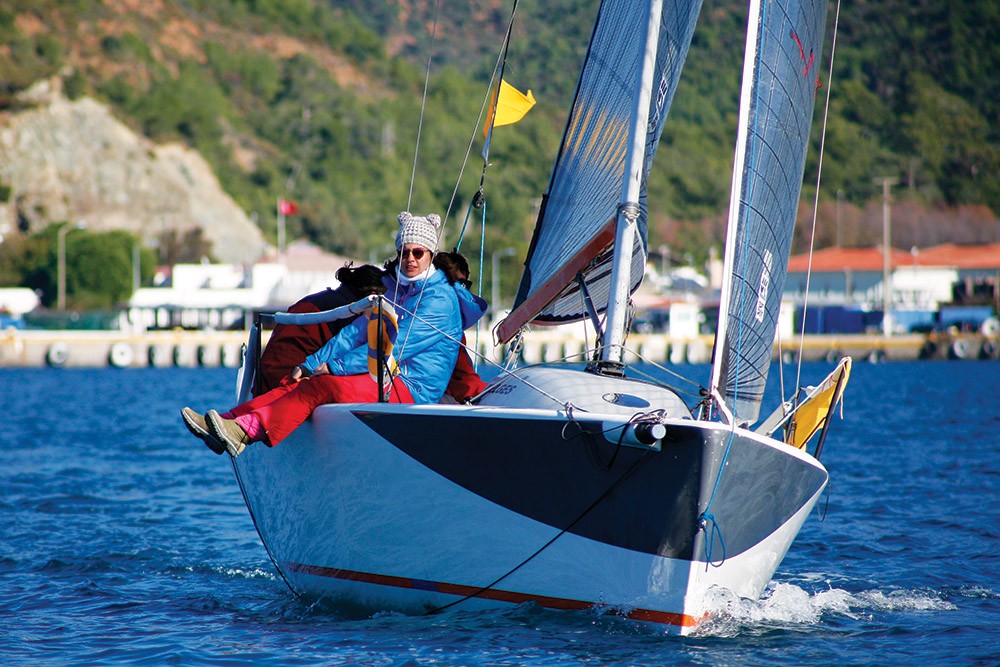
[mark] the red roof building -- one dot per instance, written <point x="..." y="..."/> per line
<point x="981" y="258"/>
<point x="921" y="279"/>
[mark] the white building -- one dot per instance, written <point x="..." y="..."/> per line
<point x="222" y="296"/>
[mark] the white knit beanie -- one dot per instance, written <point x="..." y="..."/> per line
<point x="420" y="230"/>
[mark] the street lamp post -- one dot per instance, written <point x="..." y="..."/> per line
<point x="506" y="252"/>
<point x="136" y="267"/>
<point x="61" y="262"/>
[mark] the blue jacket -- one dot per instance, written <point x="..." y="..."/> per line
<point x="426" y="347"/>
<point x="472" y="306"/>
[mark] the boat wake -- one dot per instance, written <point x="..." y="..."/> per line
<point x="787" y="606"/>
<point x="246" y="573"/>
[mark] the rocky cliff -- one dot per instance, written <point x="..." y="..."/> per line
<point x="68" y="160"/>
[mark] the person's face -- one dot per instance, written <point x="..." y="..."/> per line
<point x="414" y="259"/>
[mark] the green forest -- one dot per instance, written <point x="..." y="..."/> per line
<point x="322" y="103"/>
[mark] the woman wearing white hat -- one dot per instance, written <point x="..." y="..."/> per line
<point x="426" y="350"/>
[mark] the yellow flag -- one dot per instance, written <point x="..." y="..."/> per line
<point x="815" y="411"/>
<point x="509" y="107"/>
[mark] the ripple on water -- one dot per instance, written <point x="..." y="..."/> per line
<point x="123" y="541"/>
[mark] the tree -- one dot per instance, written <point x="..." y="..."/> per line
<point x="957" y="159"/>
<point x="99" y="271"/>
<point x="189" y="247"/>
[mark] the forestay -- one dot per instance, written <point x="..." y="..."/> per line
<point x="575" y="229"/>
<point x="784" y="41"/>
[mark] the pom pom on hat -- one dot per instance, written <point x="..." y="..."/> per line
<point x="420" y="230"/>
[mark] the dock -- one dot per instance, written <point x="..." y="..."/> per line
<point x="26" y="348"/>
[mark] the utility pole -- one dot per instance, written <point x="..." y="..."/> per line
<point x="495" y="275"/>
<point x="887" y="183"/>
<point x="840" y="203"/>
<point x="664" y="251"/>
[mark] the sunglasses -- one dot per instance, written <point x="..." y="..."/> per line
<point x="417" y="253"/>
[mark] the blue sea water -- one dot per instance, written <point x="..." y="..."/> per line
<point x="125" y="541"/>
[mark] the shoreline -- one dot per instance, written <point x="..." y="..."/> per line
<point x="30" y="348"/>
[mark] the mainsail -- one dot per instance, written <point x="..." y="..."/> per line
<point x="575" y="230"/>
<point x="784" y="40"/>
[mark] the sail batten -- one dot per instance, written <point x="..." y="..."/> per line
<point x="589" y="178"/>
<point x="784" y="40"/>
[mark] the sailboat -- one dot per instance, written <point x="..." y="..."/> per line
<point x="583" y="488"/>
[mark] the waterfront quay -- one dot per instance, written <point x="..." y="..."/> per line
<point x="28" y="348"/>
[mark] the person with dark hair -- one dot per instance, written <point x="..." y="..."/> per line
<point x="465" y="382"/>
<point x="289" y="344"/>
<point x="338" y="371"/>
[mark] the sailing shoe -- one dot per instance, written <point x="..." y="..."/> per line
<point x="199" y="429"/>
<point x="228" y="432"/>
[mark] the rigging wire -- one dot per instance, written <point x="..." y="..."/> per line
<point x="819" y="175"/>
<point x="423" y="103"/>
<point x="478" y="200"/>
<point x="503" y="371"/>
<point x="666" y="370"/>
<point x="495" y="77"/>
<point x="706" y="519"/>
<point x="501" y="58"/>
<point x="416" y="152"/>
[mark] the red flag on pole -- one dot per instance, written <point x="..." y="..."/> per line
<point x="287" y="207"/>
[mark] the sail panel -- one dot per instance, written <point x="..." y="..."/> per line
<point x="786" y="50"/>
<point x="586" y="184"/>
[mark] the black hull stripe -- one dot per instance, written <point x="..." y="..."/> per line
<point x="646" y="502"/>
<point x="513" y="597"/>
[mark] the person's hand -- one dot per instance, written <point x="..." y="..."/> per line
<point x="322" y="369"/>
<point x="298" y="373"/>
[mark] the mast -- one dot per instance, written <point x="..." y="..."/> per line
<point x="612" y="346"/>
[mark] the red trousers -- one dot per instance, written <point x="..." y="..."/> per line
<point x="281" y="410"/>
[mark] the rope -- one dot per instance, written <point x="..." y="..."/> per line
<point x="704" y="520"/>
<point x="628" y="472"/>
<point x="826" y="504"/>
<point x="482" y="263"/>
<point x="706" y="515"/>
<point x="819" y="175"/>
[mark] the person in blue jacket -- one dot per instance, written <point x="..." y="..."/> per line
<point x="465" y="383"/>
<point x="430" y="321"/>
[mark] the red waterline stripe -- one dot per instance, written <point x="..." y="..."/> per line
<point x="650" y="615"/>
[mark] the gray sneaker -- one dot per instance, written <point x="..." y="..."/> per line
<point x="228" y="432"/>
<point x="199" y="429"/>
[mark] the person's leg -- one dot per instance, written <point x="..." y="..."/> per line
<point x="256" y="402"/>
<point x="280" y="417"/>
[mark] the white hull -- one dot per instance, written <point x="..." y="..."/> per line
<point x="462" y="513"/>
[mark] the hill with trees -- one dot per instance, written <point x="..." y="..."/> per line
<point x="321" y="103"/>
